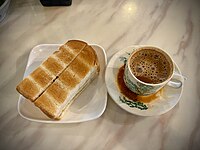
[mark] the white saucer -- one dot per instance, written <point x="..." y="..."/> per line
<point x="90" y="104"/>
<point x="162" y="104"/>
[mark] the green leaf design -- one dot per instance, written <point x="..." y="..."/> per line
<point x="131" y="85"/>
<point x="137" y="104"/>
<point x="123" y="99"/>
<point x="128" y="53"/>
<point x="144" y="88"/>
<point x="124" y="59"/>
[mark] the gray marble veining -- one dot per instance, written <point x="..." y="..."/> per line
<point x="173" y="25"/>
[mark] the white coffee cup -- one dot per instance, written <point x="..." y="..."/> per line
<point x="143" y="88"/>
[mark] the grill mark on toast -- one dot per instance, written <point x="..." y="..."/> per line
<point x="58" y="92"/>
<point x="58" y="60"/>
<point x="69" y="78"/>
<point x="53" y="65"/>
<point x="41" y="77"/>
<point x="47" y="71"/>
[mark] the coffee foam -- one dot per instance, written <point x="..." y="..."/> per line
<point x="151" y="65"/>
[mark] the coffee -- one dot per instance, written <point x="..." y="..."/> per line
<point x="151" y="66"/>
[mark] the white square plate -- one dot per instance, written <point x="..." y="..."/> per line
<point x="90" y="104"/>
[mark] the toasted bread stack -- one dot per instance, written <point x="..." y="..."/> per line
<point x="54" y="85"/>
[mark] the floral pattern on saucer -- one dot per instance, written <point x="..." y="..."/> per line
<point x="131" y="103"/>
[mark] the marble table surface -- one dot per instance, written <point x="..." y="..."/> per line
<point x="114" y="24"/>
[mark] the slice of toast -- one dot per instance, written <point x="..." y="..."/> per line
<point x="69" y="84"/>
<point x="41" y="78"/>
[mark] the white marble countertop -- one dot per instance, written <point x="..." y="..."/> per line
<point x="171" y="24"/>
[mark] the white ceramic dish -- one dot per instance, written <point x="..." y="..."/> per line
<point x="163" y="103"/>
<point x="90" y="104"/>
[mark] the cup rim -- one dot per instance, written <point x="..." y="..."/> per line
<point x="157" y="49"/>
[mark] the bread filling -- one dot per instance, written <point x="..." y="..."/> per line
<point x="77" y="90"/>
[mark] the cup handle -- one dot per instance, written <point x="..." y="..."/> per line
<point x="176" y="81"/>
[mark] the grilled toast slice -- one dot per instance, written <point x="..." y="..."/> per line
<point x="41" y="78"/>
<point x="69" y="84"/>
